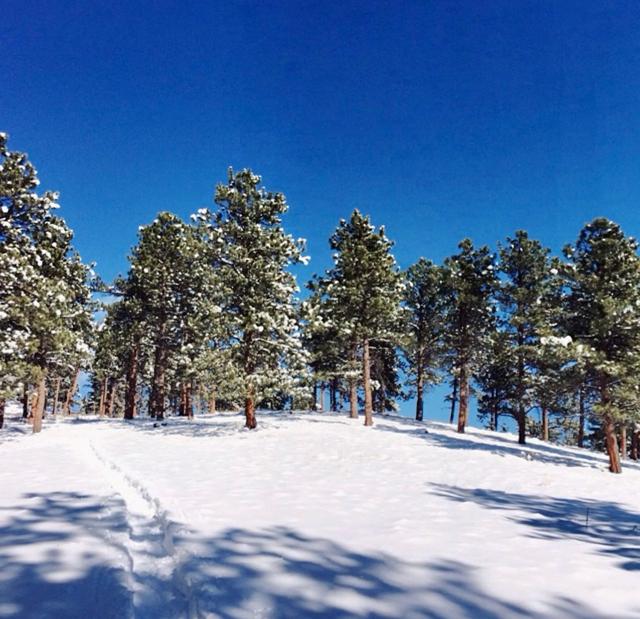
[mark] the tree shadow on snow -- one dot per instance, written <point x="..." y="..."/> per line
<point x="612" y="528"/>
<point x="274" y="572"/>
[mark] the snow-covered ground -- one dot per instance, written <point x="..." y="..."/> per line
<point x="313" y="515"/>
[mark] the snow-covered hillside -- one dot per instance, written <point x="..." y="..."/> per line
<point x="310" y="516"/>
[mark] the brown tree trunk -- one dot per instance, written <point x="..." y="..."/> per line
<point x="182" y="407"/>
<point x="623" y="442"/>
<point x="635" y="443"/>
<point x="25" y="401"/>
<point x="66" y="409"/>
<point x="315" y="396"/>
<point x="39" y="407"/>
<point x="353" y="398"/>
<point x="188" y="401"/>
<point x="612" y="445"/>
<point x="321" y="398"/>
<point x="581" y="417"/>
<point x="250" y="408"/>
<point x="366" y="379"/>
<point x="103" y="396"/>
<point x="419" y="392"/>
<point x="2" y="407"/>
<point x="158" y="395"/>
<point x="56" y="396"/>
<point x="545" y="424"/>
<point x="333" y="393"/>
<point x="464" y="399"/>
<point x="454" y="399"/>
<point x="212" y="401"/>
<point x="132" y="382"/>
<point x="112" y="396"/>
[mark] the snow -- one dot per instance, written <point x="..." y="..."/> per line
<point x="312" y="515"/>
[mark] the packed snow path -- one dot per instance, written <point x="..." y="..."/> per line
<point x="310" y="516"/>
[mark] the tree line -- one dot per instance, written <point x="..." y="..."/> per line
<point x="209" y="315"/>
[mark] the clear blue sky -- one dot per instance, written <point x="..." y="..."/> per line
<point x="440" y="119"/>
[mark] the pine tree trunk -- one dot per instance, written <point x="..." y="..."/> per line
<point x="333" y="388"/>
<point x="71" y="392"/>
<point x="366" y="379"/>
<point x="212" y="401"/>
<point x="581" y="417"/>
<point x="25" y="401"/>
<point x="112" y="396"/>
<point x="250" y="408"/>
<point x="612" y="445"/>
<point x="464" y="399"/>
<point x="56" y="396"/>
<point x="132" y="382"/>
<point x="623" y="442"/>
<point x="182" y="407"/>
<point x="157" y="398"/>
<point x="188" y="401"/>
<point x="39" y="407"/>
<point x="2" y="407"/>
<point x="315" y="396"/>
<point x="321" y="400"/>
<point x="103" y="396"/>
<point x="353" y="398"/>
<point x="419" y="389"/>
<point x="545" y="424"/>
<point x="454" y="399"/>
<point x="635" y="443"/>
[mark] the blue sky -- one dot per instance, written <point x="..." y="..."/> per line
<point x="440" y="119"/>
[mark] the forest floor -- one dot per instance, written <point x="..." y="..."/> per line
<point x="312" y="515"/>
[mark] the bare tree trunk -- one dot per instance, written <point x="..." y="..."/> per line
<point x="464" y="399"/>
<point x="39" y="407"/>
<point x="333" y="394"/>
<point x="112" y="396"/>
<point x="581" y="417"/>
<point x="420" y="394"/>
<point x="353" y="398"/>
<point x="182" y="406"/>
<point x="321" y="399"/>
<point x="494" y="418"/>
<point x="56" y="396"/>
<point x="158" y="395"/>
<point x="454" y="399"/>
<point x="623" y="442"/>
<point x="250" y="408"/>
<point x="103" y="396"/>
<point x="2" y="407"/>
<point x="612" y="445"/>
<point x="366" y="379"/>
<point x="25" y="401"/>
<point x="212" y="401"/>
<point x="315" y="396"/>
<point x="132" y="382"/>
<point x="545" y="424"/>
<point x="188" y="401"/>
<point x="635" y="443"/>
<point x="71" y="392"/>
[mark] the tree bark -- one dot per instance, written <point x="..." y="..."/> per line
<point x="158" y="395"/>
<point x="635" y="443"/>
<point x="545" y="424"/>
<point x="112" y="396"/>
<point x="420" y="394"/>
<point x="25" y="401"/>
<point x="103" y="396"/>
<point x="56" y="396"/>
<point x="333" y="390"/>
<point x="581" y="417"/>
<point x="464" y="399"/>
<point x="250" y="408"/>
<point x="366" y="379"/>
<point x="39" y="407"/>
<point x="212" y="401"/>
<point x="132" y="382"/>
<point x="321" y="398"/>
<point x="623" y="442"/>
<point x="66" y="409"/>
<point x="2" y="407"/>
<point x="612" y="445"/>
<point x="454" y="399"/>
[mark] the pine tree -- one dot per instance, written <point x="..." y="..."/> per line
<point x="603" y="303"/>
<point x="45" y="306"/>
<point x="470" y="315"/>
<point x="525" y="293"/>
<point x="363" y="291"/>
<point x="251" y="254"/>
<point x="424" y="305"/>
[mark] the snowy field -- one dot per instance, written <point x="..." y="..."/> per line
<point x="310" y="516"/>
